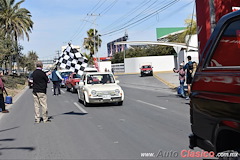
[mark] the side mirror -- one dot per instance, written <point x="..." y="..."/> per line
<point x="117" y="81"/>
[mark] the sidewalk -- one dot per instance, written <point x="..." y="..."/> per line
<point x="169" y="78"/>
<point x="14" y="99"/>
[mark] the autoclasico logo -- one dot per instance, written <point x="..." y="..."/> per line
<point x="196" y="154"/>
<point x="182" y="154"/>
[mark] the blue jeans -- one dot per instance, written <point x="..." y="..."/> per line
<point x="182" y="88"/>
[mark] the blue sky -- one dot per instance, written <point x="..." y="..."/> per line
<point x="57" y="22"/>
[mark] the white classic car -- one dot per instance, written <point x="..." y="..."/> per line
<point x="97" y="87"/>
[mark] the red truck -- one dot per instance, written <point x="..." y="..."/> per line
<point x="215" y="92"/>
<point x="146" y="70"/>
<point x="71" y="82"/>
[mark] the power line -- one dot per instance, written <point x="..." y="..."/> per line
<point x="80" y="28"/>
<point x="142" y="19"/>
<point x="139" y="14"/>
<point x="109" y="7"/>
<point x="144" y="2"/>
<point x="169" y="15"/>
<point x="99" y="6"/>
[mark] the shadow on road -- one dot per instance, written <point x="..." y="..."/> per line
<point x="8" y="139"/>
<point x="13" y="139"/>
<point x="8" y="129"/>
<point x="68" y="113"/>
<point x="21" y="148"/>
<point x="75" y="113"/>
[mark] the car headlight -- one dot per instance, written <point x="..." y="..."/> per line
<point x="117" y="91"/>
<point x="94" y="93"/>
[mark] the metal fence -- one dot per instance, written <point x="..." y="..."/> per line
<point x="118" y="68"/>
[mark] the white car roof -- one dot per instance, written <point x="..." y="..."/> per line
<point x="89" y="69"/>
<point x="94" y="73"/>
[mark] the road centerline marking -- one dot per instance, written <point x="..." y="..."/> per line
<point x="79" y="107"/>
<point x="151" y="104"/>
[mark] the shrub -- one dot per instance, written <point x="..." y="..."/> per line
<point x="12" y="81"/>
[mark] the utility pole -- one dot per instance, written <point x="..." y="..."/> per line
<point x="58" y="53"/>
<point x="94" y="23"/>
<point x="125" y="47"/>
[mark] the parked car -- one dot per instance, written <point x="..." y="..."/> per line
<point x="71" y="82"/>
<point x="64" y="74"/>
<point x="215" y="97"/>
<point x="146" y="70"/>
<point x="97" y="87"/>
<point x="30" y="80"/>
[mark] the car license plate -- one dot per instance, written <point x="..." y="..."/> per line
<point x="106" y="96"/>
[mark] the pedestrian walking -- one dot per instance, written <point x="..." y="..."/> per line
<point x="2" y="89"/>
<point x="189" y="68"/>
<point x="40" y="80"/>
<point x="56" y="79"/>
<point x="112" y="70"/>
<point x="181" y="78"/>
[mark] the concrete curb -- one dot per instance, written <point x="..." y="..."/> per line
<point x="170" y="85"/>
<point x="16" y="97"/>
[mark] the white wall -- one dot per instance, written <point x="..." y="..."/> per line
<point x="182" y="56"/>
<point x="105" y="65"/>
<point x="194" y="56"/>
<point x="159" y="63"/>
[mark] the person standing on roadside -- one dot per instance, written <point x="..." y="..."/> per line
<point x="56" y="79"/>
<point x="2" y="89"/>
<point x="40" y="80"/>
<point x="181" y="78"/>
<point x="189" y="68"/>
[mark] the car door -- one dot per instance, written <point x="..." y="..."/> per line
<point x="81" y="86"/>
<point x="68" y="82"/>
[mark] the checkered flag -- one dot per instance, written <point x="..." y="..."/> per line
<point x="73" y="60"/>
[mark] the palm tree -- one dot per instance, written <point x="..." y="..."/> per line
<point x="6" y="49"/>
<point x="32" y="58"/>
<point x="90" y="40"/>
<point x="15" y="22"/>
<point x="89" y="58"/>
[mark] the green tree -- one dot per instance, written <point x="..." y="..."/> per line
<point x="32" y="58"/>
<point x="23" y="60"/>
<point x="118" y="58"/>
<point x="6" y="51"/>
<point x="15" y="23"/>
<point x="91" y="40"/>
<point x="89" y="58"/>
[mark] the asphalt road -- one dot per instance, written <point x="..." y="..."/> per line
<point x="152" y="120"/>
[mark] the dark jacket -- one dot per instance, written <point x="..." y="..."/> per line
<point x="55" y="77"/>
<point x="40" y="81"/>
<point x="189" y="68"/>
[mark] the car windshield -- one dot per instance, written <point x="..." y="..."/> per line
<point x="65" y="74"/>
<point x="76" y="76"/>
<point x="146" y="66"/>
<point x="100" y="79"/>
